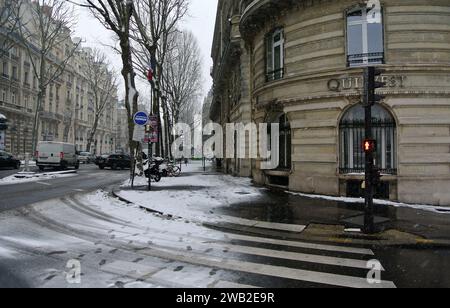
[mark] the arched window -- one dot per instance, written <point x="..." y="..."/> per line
<point x="285" y="149"/>
<point x="352" y="134"/>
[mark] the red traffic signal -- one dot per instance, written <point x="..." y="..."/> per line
<point x="369" y="146"/>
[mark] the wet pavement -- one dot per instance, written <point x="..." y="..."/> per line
<point x="282" y="207"/>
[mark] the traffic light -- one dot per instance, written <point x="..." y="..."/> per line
<point x="369" y="146"/>
<point x="371" y="84"/>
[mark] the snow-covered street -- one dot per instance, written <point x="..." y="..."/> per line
<point x="213" y="231"/>
<point x="118" y="245"/>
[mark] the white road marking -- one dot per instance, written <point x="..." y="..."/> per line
<point x="362" y="264"/>
<point x="261" y="224"/>
<point x="278" y="254"/>
<point x="267" y="270"/>
<point x="352" y="250"/>
<point x="43" y="183"/>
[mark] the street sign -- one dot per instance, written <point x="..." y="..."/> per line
<point x="139" y="133"/>
<point x="140" y="118"/>
<point x="153" y="131"/>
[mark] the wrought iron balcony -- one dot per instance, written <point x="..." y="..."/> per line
<point x="364" y="59"/>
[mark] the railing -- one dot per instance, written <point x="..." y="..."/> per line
<point x="367" y="58"/>
<point x="275" y="75"/>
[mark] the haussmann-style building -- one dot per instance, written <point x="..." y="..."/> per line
<point x="300" y="64"/>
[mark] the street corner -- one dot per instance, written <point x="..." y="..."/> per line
<point x="340" y="234"/>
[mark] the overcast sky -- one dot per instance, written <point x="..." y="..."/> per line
<point x="200" y="21"/>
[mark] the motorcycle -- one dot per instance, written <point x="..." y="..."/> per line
<point x="154" y="171"/>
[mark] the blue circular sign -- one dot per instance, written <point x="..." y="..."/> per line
<point x="141" y="118"/>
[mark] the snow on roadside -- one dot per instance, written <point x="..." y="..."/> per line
<point x="429" y="208"/>
<point x="34" y="177"/>
<point x="6" y="253"/>
<point x="140" y="218"/>
<point x="31" y="163"/>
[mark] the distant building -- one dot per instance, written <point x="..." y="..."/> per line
<point x="298" y="63"/>
<point x="67" y="113"/>
<point x="122" y="136"/>
<point x="206" y="108"/>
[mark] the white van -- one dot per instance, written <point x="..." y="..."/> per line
<point x="56" y="155"/>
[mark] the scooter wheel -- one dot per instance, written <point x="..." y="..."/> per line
<point x="157" y="178"/>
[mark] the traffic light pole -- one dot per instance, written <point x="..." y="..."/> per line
<point x="369" y="223"/>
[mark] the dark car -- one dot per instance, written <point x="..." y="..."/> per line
<point x="8" y="161"/>
<point x="114" y="161"/>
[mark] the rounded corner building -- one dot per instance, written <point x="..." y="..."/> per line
<point x="300" y="63"/>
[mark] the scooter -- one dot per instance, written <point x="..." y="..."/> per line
<point x="153" y="171"/>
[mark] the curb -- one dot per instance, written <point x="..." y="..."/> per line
<point x="25" y="175"/>
<point x="117" y="196"/>
<point x="342" y="238"/>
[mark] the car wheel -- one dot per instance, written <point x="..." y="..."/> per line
<point x="41" y="168"/>
<point x="101" y="167"/>
<point x="17" y="167"/>
<point x="77" y="166"/>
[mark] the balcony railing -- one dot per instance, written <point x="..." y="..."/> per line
<point x="364" y="59"/>
<point x="275" y="75"/>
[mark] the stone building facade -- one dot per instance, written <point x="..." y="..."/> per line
<point x="299" y="63"/>
<point x="67" y="114"/>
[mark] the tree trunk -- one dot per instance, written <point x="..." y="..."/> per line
<point x="92" y="134"/>
<point x="130" y="104"/>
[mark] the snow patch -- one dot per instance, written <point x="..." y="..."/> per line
<point x="430" y="208"/>
<point x="29" y="177"/>
<point x="6" y="253"/>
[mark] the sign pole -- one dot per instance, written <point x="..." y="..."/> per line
<point x="149" y="164"/>
<point x="369" y="225"/>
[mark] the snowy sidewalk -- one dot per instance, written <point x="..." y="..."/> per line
<point x="196" y="195"/>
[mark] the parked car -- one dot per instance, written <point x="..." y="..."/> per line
<point x="114" y="161"/>
<point x="8" y="161"/>
<point x="86" y="158"/>
<point x="100" y="158"/>
<point x="56" y="155"/>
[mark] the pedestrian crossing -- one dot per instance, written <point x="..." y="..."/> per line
<point x="296" y="262"/>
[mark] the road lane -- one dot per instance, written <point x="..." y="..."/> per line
<point x="89" y="178"/>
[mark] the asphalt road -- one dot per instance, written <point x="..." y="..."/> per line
<point x="89" y="178"/>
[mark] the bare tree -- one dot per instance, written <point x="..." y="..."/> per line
<point x="155" y="21"/>
<point x="102" y="83"/>
<point x="116" y="15"/>
<point x="10" y="14"/>
<point x="45" y="31"/>
<point x="183" y="75"/>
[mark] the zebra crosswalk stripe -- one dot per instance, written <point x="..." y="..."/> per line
<point x="352" y="250"/>
<point x="267" y="270"/>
